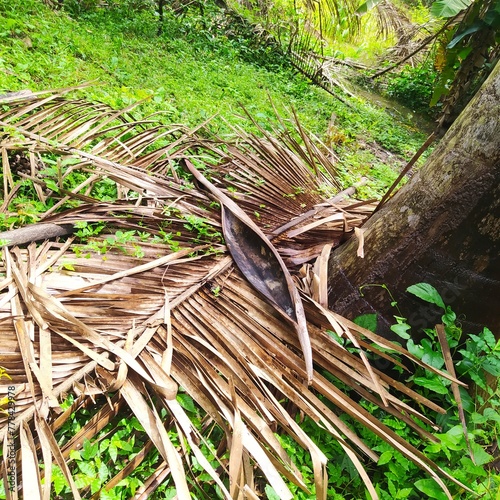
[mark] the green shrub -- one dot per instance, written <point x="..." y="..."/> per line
<point x="413" y="87"/>
<point x="468" y="457"/>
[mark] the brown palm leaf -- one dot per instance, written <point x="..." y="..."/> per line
<point x="154" y="303"/>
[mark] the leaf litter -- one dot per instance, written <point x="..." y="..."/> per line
<point x="232" y="320"/>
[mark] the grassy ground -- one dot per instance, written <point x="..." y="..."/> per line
<point x="199" y="67"/>
<point x="190" y="75"/>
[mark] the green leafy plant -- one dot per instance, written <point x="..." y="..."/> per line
<point x="467" y="51"/>
<point x="203" y="231"/>
<point x="463" y="451"/>
<point x="475" y="355"/>
<point x="124" y="241"/>
<point x="99" y="460"/>
<point x="413" y="87"/>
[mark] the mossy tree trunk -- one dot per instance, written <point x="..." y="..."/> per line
<point x="442" y="228"/>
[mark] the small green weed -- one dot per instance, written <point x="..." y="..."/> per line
<point x="469" y="459"/>
<point x="124" y="241"/>
<point x="98" y="460"/>
<point x="203" y="231"/>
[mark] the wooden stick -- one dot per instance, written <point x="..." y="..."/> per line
<point x="410" y="164"/>
<point x="34" y="232"/>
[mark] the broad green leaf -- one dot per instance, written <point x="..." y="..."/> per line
<point x="467" y="402"/>
<point x="51" y="184"/>
<point x="469" y="466"/>
<point x="404" y="493"/>
<point x="334" y="336"/>
<point x="449" y="317"/>
<point x="170" y="494"/>
<point x="492" y="17"/>
<point x="431" y="489"/>
<point x="82" y="481"/>
<point x="477" y="418"/>
<point x="401" y="330"/>
<point x="392" y="488"/>
<point x="136" y="424"/>
<point x="58" y="479"/>
<point x="113" y="452"/>
<point x="270" y="493"/>
<point x="480" y="344"/>
<point x="133" y="484"/>
<point x="108" y="495"/>
<point x="433" y="358"/>
<point x="87" y="468"/>
<point x="492" y="365"/>
<point x="186" y="401"/>
<point x="104" y="445"/>
<point x="103" y="472"/>
<point x="454" y="438"/>
<point x="123" y="445"/>
<point x="471" y="29"/>
<point x="491" y="414"/>
<point x="368" y="321"/>
<point x="433" y="384"/>
<point x="89" y="450"/>
<point x="95" y="485"/>
<point x="367" y="6"/>
<point x="428" y="293"/>
<point x="433" y="448"/>
<point x="385" y="457"/>
<point x="480" y="456"/>
<point x="448" y="8"/>
<point x="479" y="379"/>
<point x="488" y="337"/>
<point x="415" y="349"/>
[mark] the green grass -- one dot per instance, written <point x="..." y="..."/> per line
<point x="201" y="66"/>
<point x="189" y="80"/>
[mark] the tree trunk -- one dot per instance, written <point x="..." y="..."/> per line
<point x="442" y="228"/>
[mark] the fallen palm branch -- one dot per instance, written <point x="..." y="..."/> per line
<point x="151" y="300"/>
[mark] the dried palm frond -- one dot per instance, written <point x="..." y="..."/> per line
<point x="136" y="319"/>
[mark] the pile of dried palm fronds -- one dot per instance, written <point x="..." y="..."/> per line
<point x="136" y="319"/>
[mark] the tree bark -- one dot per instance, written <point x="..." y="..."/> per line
<point x="442" y="228"/>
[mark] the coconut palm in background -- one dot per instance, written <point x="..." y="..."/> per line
<point x="204" y="273"/>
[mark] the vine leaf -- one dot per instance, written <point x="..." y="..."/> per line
<point x="261" y="264"/>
